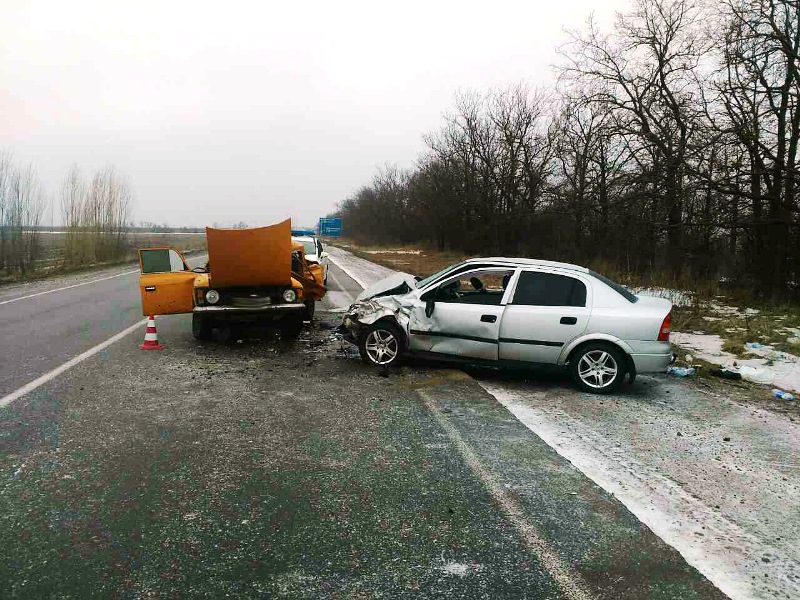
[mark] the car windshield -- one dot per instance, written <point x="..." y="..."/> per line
<point x="309" y="247"/>
<point x="622" y="291"/>
<point x="423" y="282"/>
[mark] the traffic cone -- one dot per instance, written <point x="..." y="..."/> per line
<point x="151" y="336"/>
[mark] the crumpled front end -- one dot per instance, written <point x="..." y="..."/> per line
<point x="366" y="312"/>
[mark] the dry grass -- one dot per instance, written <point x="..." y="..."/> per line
<point x="416" y="260"/>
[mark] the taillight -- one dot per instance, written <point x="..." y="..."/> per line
<point x="663" y="334"/>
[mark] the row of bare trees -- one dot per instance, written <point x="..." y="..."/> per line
<point x="669" y="145"/>
<point x="95" y="214"/>
<point x="22" y="204"/>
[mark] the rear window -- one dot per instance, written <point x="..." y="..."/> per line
<point x="549" y="289"/>
<point x="616" y="287"/>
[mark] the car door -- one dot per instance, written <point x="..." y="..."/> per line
<point x="166" y="283"/>
<point x="464" y="320"/>
<point x="545" y="311"/>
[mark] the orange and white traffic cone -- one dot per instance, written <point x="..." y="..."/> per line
<point x="151" y="336"/>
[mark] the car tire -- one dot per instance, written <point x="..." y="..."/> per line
<point x="291" y="327"/>
<point x="381" y="344"/>
<point x="228" y="333"/>
<point x="310" y="307"/>
<point x="597" y="368"/>
<point x="201" y="328"/>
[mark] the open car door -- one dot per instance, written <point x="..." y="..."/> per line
<point x="166" y="282"/>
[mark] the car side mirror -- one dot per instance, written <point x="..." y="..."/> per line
<point x="430" y="304"/>
<point x="324" y="255"/>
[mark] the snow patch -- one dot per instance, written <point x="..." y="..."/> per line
<point x="678" y="298"/>
<point x="773" y="367"/>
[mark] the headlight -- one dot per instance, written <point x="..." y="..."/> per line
<point x="289" y="296"/>
<point x="212" y="296"/>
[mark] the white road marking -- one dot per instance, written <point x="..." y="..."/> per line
<point x="727" y="554"/>
<point x="571" y="583"/>
<point x="26" y="389"/>
<point x="342" y="289"/>
<point x="348" y="272"/>
<point x="69" y="287"/>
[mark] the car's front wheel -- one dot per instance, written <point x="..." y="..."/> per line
<point x="310" y="306"/>
<point x="597" y="368"/>
<point x="291" y="327"/>
<point x="201" y="327"/>
<point x="381" y="344"/>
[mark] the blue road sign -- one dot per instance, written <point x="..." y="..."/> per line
<point x="330" y="227"/>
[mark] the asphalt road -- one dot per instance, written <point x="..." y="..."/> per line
<point x="49" y="322"/>
<point x="274" y="469"/>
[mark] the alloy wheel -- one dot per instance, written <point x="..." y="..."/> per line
<point x="597" y="369"/>
<point x="381" y="346"/>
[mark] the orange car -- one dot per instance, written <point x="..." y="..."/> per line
<point x="252" y="276"/>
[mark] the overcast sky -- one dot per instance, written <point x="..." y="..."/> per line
<point x="255" y="111"/>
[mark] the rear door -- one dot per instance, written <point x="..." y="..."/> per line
<point x="166" y="283"/>
<point x="546" y="311"/>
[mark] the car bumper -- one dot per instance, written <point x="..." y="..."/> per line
<point x="276" y="310"/>
<point x="652" y="363"/>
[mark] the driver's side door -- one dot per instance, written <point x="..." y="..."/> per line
<point x="166" y="283"/>
<point x="465" y="321"/>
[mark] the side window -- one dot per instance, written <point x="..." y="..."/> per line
<point x="162" y="260"/>
<point x="475" y="287"/>
<point x="548" y="289"/>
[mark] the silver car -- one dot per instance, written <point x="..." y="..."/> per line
<point x="515" y="312"/>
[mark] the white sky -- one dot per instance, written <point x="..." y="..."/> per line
<point x="255" y="111"/>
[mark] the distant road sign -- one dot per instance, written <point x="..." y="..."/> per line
<point x="330" y="227"/>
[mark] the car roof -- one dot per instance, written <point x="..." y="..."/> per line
<point x="527" y="262"/>
<point x="304" y="238"/>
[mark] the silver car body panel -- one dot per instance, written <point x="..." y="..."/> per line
<point x="538" y="334"/>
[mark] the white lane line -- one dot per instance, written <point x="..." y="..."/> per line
<point x="69" y="287"/>
<point x="571" y="583"/>
<point x="342" y="289"/>
<point x="26" y="389"/>
<point x="726" y="554"/>
<point x="348" y="272"/>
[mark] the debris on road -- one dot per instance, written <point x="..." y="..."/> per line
<point x="682" y="371"/>
<point x="727" y="374"/>
<point x="782" y="395"/>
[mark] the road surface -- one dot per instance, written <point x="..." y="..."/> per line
<point x="274" y="469"/>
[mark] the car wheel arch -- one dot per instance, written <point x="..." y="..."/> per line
<point x="570" y="350"/>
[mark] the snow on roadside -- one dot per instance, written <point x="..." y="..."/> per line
<point x="363" y="272"/>
<point x="772" y="367"/>
<point x="678" y="298"/>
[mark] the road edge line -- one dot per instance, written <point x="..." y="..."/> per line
<point x="570" y="582"/>
<point x="28" y="388"/>
<point x="69" y="287"/>
<point x="348" y="272"/>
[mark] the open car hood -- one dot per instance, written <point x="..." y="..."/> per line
<point x="250" y="257"/>
<point x="394" y="285"/>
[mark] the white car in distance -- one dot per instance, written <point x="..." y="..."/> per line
<point x="312" y="248"/>
<point x="516" y="312"/>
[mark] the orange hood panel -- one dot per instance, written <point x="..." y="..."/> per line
<point x="247" y="257"/>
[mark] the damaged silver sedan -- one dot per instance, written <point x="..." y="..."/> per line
<point x="515" y="312"/>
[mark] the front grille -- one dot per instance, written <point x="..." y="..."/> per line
<point x="249" y="302"/>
